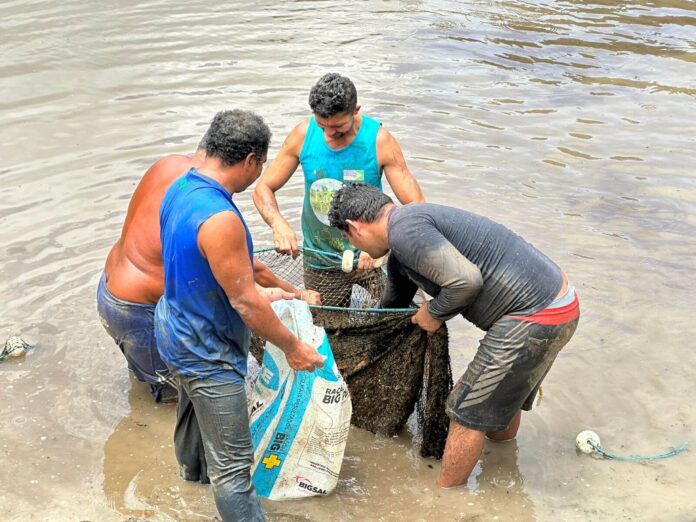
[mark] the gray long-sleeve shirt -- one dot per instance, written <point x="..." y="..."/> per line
<point x="468" y="263"/>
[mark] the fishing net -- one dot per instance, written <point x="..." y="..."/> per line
<point x="394" y="369"/>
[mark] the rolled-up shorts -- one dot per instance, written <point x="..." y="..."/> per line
<point x="132" y="327"/>
<point x="510" y="364"/>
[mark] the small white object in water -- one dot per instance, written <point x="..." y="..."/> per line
<point x="582" y="441"/>
<point x="347" y="264"/>
<point x="14" y="347"/>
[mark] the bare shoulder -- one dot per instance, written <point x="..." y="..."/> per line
<point x="388" y="149"/>
<point x="295" y="139"/>
<point x="302" y="126"/>
<point x="157" y="179"/>
<point x="391" y="159"/>
<point x="221" y="232"/>
<point x="385" y="139"/>
<point x="169" y="167"/>
<point x="226" y="222"/>
<point x="172" y="161"/>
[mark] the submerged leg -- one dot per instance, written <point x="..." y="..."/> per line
<point x="221" y="410"/>
<point x="188" y="443"/>
<point x="462" y="451"/>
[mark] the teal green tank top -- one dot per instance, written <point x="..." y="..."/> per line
<point x="325" y="171"/>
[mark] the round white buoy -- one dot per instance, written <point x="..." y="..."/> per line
<point x="582" y="441"/>
<point x="347" y="263"/>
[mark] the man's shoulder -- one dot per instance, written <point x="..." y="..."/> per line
<point x="220" y="227"/>
<point x="167" y="169"/>
<point x="401" y="222"/>
<point x="406" y="220"/>
<point x="300" y="130"/>
<point x="384" y="138"/>
<point x="222" y="220"/>
<point x="296" y="137"/>
<point x="172" y="161"/>
<point x="157" y="180"/>
<point x="411" y="212"/>
<point x="303" y="125"/>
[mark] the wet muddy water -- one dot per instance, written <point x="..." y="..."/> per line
<point x="573" y="123"/>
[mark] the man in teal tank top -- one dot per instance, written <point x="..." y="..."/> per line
<point x="334" y="146"/>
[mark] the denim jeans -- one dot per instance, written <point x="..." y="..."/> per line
<point x="220" y="410"/>
<point x="188" y="444"/>
<point x="132" y="327"/>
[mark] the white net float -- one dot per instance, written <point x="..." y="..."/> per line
<point x="347" y="262"/>
<point x="583" y="440"/>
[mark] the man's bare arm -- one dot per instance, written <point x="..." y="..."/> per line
<point x="391" y="160"/>
<point x="276" y="175"/>
<point x="265" y="277"/>
<point x="222" y="241"/>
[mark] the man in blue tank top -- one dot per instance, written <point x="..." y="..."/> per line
<point x="491" y="276"/>
<point x="336" y="144"/>
<point x="211" y="301"/>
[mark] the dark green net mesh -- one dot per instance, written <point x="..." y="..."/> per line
<point x="394" y="369"/>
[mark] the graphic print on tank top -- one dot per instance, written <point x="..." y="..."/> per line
<point x="321" y="192"/>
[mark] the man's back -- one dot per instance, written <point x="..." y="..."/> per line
<point x="437" y="246"/>
<point x="134" y="266"/>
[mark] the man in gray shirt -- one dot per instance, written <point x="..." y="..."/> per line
<point x="491" y="276"/>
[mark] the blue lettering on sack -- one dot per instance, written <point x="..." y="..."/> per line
<point x="270" y="376"/>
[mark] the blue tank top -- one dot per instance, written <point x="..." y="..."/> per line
<point x="198" y="332"/>
<point x="325" y="170"/>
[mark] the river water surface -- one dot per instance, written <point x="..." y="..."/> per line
<point x="572" y="122"/>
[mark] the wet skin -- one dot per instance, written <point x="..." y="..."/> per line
<point x="134" y="270"/>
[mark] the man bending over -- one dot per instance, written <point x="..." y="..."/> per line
<point x="491" y="276"/>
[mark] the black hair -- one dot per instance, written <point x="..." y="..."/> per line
<point x="233" y="135"/>
<point x="357" y="202"/>
<point x="204" y="142"/>
<point x="333" y="94"/>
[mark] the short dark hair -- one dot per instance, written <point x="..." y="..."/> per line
<point x="333" y="94"/>
<point x="204" y="141"/>
<point x="233" y="135"/>
<point x="357" y="202"/>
